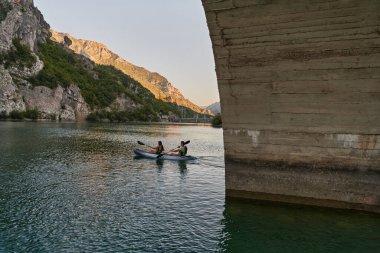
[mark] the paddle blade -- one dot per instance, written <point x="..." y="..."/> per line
<point x="187" y="142"/>
<point x="139" y="142"/>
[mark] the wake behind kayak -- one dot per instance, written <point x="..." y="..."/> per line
<point x="145" y="154"/>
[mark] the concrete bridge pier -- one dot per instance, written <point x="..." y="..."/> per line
<point x="299" y="82"/>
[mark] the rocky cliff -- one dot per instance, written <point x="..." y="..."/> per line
<point x="20" y="19"/>
<point x="100" y="54"/>
<point x="49" y="80"/>
<point x="22" y="28"/>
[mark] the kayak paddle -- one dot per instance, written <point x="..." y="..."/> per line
<point x="186" y="142"/>
<point x="141" y="143"/>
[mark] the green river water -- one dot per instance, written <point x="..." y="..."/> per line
<point x="67" y="187"/>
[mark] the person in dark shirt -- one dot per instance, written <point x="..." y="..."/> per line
<point x="158" y="149"/>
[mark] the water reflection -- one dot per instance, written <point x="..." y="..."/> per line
<point x="251" y="226"/>
<point x="182" y="165"/>
<point x="160" y="165"/>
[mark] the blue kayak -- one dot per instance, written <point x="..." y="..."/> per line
<point x="145" y="154"/>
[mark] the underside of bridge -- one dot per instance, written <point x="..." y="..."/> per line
<point x="299" y="83"/>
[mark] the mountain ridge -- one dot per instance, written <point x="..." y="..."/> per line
<point x="43" y="79"/>
<point x="214" y="107"/>
<point x="98" y="52"/>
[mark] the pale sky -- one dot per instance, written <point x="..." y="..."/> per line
<point x="165" y="36"/>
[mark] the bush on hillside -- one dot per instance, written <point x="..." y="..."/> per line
<point x="28" y="114"/>
<point x="3" y="115"/>
<point x="19" y="56"/>
<point x="32" y="114"/>
<point x="16" y="115"/>
<point x="139" y="114"/>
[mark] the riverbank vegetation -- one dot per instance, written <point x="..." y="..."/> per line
<point x="32" y="114"/>
<point x="216" y="121"/>
<point x="140" y="114"/>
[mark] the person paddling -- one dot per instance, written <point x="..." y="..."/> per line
<point x="158" y="149"/>
<point x="181" y="150"/>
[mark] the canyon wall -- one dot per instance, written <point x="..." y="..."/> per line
<point x="299" y="83"/>
<point x="161" y="88"/>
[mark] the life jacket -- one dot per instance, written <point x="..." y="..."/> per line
<point x="183" y="151"/>
<point x="159" y="149"/>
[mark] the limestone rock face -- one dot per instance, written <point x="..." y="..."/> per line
<point x="25" y="72"/>
<point x="100" y="54"/>
<point x="72" y="101"/>
<point x="59" y="103"/>
<point x="124" y="103"/>
<point x="10" y="98"/>
<point x="24" y="22"/>
<point x="43" y="99"/>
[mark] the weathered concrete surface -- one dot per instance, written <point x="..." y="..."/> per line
<point x="299" y="83"/>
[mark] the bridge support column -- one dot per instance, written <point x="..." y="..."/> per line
<point x="299" y="84"/>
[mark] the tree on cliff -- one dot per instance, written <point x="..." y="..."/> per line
<point x="216" y="121"/>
